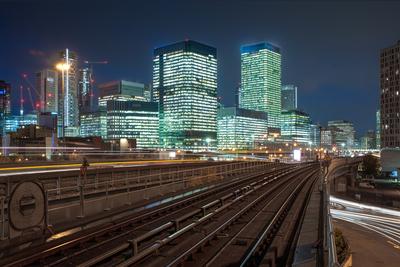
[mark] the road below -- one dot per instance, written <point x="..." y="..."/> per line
<point x="373" y="232"/>
<point x="369" y="248"/>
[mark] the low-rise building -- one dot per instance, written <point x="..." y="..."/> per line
<point x="241" y="128"/>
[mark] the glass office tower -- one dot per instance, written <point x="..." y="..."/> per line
<point x="47" y="85"/>
<point x="378" y="129"/>
<point x="68" y="113"/>
<point x="241" y="128"/>
<point x="296" y="126"/>
<point x="185" y="85"/>
<point x="261" y="80"/>
<point x="343" y="133"/>
<point x="5" y="104"/>
<point x="133" y="119"/>
<point x="93" y="124"/>
<point x="289" y="97"/>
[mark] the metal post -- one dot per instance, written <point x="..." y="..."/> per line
<point x="46" y="209"/>
<point x="127" y="184"/>
<point x="59" y="187"/>
<point x="145" y="189"/>
<point x="3" y="219"/>
<point x="81" y="201"/>
<point x="96" y="179"/>
<point x="107" y="204"/>
<point x="160" y="177"/>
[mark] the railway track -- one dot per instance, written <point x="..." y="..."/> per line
<point x="83" y="247"/>
<point x="237" y="237"/>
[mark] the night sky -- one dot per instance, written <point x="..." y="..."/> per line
<point x="330" y="49"/>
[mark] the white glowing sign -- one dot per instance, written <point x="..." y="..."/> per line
<point x="297" y="155"/>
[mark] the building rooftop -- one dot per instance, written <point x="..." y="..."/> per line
<point x="249" y="48"/>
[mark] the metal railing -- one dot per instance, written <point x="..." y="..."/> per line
<point x="77" y="191"/>
<point x="330" y="245"/>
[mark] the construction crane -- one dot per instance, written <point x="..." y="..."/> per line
<point x="30" y="85"/>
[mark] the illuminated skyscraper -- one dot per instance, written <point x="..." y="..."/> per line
<point x="47" y="85"/>
<point x="85" y="91"/>
<point x="131" y="119"/>
<point x="289" y="97"/>
<point x="343" y="133"/>
<point x="261" y="80"/>
<point x="93" y="124"/>
<point x="315" y="135"/>
<point x="68" y="94"/>
<point x="185" y="83"/>
<point x="241" y="128"/>
<point x="5" y="104"/>
<point x="296" y="126"/>
<point x="390" y="96"/>
<point x="378" y="129"/>
<point x="122" y="87"/>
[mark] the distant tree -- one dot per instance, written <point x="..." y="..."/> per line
<point x="371" y="165"/>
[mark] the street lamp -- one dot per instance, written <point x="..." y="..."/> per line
<point x="208" y="140"/>
<point x="63" y="67"/>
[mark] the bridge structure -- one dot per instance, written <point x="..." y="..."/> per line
<point x="169" y="213"/>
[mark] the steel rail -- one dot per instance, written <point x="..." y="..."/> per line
<point x="151" y="249"/>
<point x="261" y="238"/>
<point x="80" y="239"/>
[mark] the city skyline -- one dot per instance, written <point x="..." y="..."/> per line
<point x="322" y="74"/>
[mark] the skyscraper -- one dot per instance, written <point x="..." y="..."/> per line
<point x="390" y="98"/>
<point x="343" y="133"/>
<point x="137" y="90"/>
<point x="85" y="91"/>
<point x="185" y="83"/>
<point x="261" y="80"/>
<point x="133" y="119"/>
<point x="315" y="134"/>
<point x="296" y="126"/>
<point x="5" y="104"/>
<point x="378" y="129"/>
<point x="47" y="85"/>
<point x="289" y="97"/>
<point x="68" y="93"/>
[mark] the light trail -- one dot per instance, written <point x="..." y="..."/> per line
<point x="383" y="221"/>
<point x="98" y="164"/>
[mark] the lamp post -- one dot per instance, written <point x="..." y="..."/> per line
<point x="208" y="140"/>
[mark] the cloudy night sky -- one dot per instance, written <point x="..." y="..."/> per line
<point x="330" y="49"/>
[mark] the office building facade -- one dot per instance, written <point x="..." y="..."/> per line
<point x="289" y="97"/>
<point x="378" y="129"/>
<point x="122" y="87"/>
<point x="390" y="96"/>
<point x="261" y="80"/>
<point x="47" y="86"/>
<point x="68" y="113"/>
<point x="133" y="119"/>
<point x="185" y="85"/>
<point x="241" y="129"/>
<point x="296" y="126"/>
<point x="5" y="104"/>
<point x="368" y="141"/>
<point x="343" y="133"/>
<point x="93" y="124"/>
<point x="327" y="138"/>
<point x="85" y="91"/>
<point x="14" y="122"/>
<point x="315" y="135"/>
